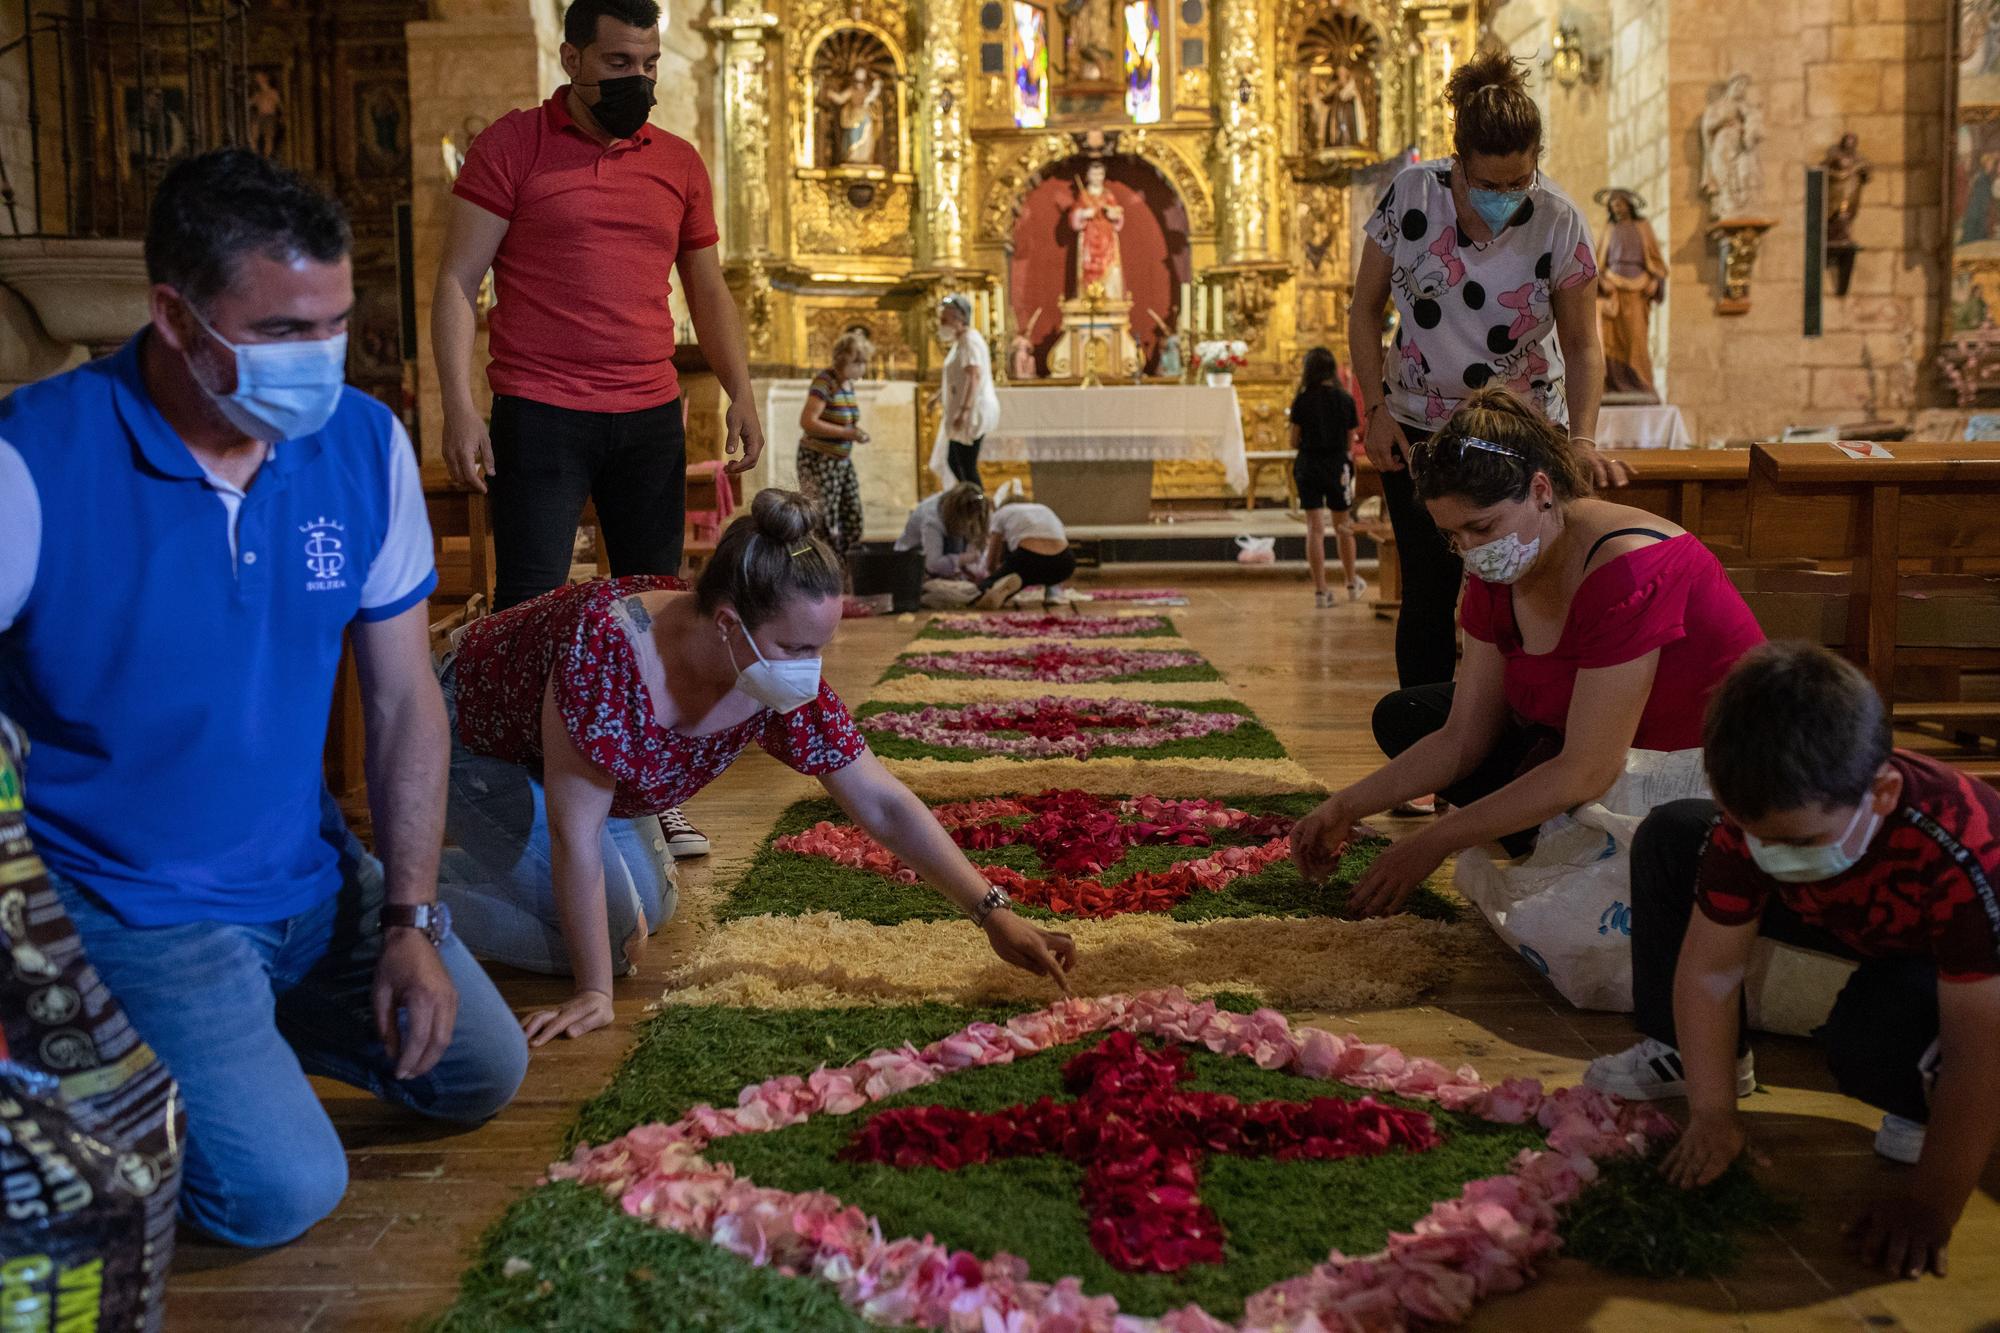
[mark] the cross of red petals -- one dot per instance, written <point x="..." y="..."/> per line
<point x="1142" y="1139"/>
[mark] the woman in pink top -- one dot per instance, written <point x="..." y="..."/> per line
<point x="1590" y="628"/>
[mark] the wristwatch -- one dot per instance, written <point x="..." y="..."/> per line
<point x="433" y="919"/>
<point x="995" y="899"/>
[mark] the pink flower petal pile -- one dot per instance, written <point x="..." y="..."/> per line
<point x="1027" y="625"/>
<point x="1051" y="727"/>
<point x="1053" y="663"/>
<point x="1485" y="1241"/>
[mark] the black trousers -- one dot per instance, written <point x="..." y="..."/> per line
<point x="1883" y="1023"/>
<point x="1427" y="627"/>
<point x="1407" y="716"/>
<point x="548" y="460"/>
<point x="1044" y="571"/>
<point x="963" y="460"/>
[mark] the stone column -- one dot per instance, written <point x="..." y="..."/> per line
<point x="945" y="147"/>
<point x="469" y="66"/>
<point x="1446" y="37"/>
<point x="1247" y="141"/>
<point x="745" y="30"/>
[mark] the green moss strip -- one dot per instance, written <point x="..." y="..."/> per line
<point x="1250" y="740"/>
<point x="792" y="884"/>
<point x="1632" y="1222"/>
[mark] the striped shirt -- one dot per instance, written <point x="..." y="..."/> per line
<point x="841" y="412"/>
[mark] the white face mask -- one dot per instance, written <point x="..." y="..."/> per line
<point x="1504" y="559"/>
<point x="1810" y="865"/>
<point x="283" y="390"/>
<point x="784" y="686"/>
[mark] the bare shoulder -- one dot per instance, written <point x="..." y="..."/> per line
<point x="1598" y="520"/>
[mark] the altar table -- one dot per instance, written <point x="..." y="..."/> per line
<point x="1097" y="446"/>
<point x="1642" y="426"/>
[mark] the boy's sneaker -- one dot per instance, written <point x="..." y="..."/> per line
<point x="1652" y="1071"/>
<point x="1322" y="600"/>
<point x="683" y="838"/>
<point x="1357" y="588"/>
<point x="996" y="596"/>
<point x="1900" y="1140"/>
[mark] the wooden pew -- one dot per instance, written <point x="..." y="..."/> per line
<point x="458" y="514"/>
<point x="346" y="736"/>
<point x="1929" y="502"/>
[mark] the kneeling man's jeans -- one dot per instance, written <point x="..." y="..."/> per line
<point x="242" y="1013"/>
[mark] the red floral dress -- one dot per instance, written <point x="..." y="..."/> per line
<point x="503" y="666"/>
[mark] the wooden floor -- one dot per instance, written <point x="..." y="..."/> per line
<point x="420" y="1197"/>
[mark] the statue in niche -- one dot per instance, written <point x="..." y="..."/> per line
<point x="853" y="80"/>
<point x="266" y="113"/>
<point x="1097" y="218"/>
<point x="1732" y="139"/>
<point x="1092" y="45"/>
<point x="1847" y="174"/>
<point x="1631" y="279"/>
<point x="860" y="102"/>
<point x="1339" y="118"/>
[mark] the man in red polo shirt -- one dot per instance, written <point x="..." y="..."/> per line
<point x="582" y="211"/>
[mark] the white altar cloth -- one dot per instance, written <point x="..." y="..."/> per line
<point x="1642" y="427"/>
<point x="1121" y="423"/>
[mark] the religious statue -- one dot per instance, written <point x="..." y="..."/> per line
<point x="1021" y="351"/>
<point x="1631" y="279"/>
<point x="860" y="132"/>
<point x="1091" y="41"/>
<point x="266" y="107"/>
<point x="1172" y="364"/>
<point x="1339" y="120"/>
<point x="1097" y="218"/>
<point x="1846" y="173"/>
<point x="1732" y="138"/>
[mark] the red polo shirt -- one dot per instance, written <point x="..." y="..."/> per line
<point x="583" y="274"/>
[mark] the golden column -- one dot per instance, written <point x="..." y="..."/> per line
<point x="1247" y="140"/>
<point x="1447" y="35"/>
<point x="745" y="30"/>
<point x="946" y="146"/>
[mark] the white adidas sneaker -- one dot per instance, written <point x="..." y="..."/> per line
<point x="1651" y="1071"/>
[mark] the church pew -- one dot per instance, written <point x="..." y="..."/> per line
<point x="1929" y="502"/>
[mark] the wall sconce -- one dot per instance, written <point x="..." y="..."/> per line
<point x="1568" y="62"/>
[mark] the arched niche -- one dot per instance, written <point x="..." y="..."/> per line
<point x="1154" y="245"/>
<point x="855" y="72"/>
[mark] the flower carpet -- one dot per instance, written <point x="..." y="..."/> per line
<point x="849" y="1114"/>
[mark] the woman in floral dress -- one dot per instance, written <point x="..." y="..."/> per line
<point x="578" y="714"/>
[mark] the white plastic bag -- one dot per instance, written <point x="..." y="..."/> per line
<point x="1566" y="908"/>
<point x="1256" y="550"/>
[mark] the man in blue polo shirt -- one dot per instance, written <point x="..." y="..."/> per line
<point x="187" y="528"/>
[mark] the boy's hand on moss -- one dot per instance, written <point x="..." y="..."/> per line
<point x="1711" y="1141"/>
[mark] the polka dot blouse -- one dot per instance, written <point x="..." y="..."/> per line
<point x="503" y="666"/>
<point x="1473" y="315"/>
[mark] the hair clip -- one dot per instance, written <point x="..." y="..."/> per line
<point x="802" y="550"/>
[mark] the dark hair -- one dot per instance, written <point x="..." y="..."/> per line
<point x="580" y="19"/>
<point x="767" y="557"/>
<point x="1443" y="465"/>
<point x="1793" y="725"/>
<point x="965" y="512"/>
<point x="214" y="208"/>
<point x="1494" y="114"/>
<point x="1320" y="368"/>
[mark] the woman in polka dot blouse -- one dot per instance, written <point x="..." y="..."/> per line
<point x="1490" y="270"/>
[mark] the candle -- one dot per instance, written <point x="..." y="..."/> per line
<point x="1187" y="305"/>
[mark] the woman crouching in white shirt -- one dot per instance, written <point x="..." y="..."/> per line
<point x="1027" y="546"/>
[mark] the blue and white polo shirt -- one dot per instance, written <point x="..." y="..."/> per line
<point x="169" y="643"/>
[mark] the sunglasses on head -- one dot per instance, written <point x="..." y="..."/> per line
<point x="1453" y="448"/>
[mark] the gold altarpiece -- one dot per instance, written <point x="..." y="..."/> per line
<point x="872" y="163"/>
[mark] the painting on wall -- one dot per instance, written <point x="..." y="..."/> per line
<point x="381" y="127"/>
<point x="1978" y="52"/>
<point x="1972" y="185"/>
<point x="153" y="125"/>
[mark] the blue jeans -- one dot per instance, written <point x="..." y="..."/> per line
<point x="242" y="1013"/>
<point x="498" y="878"/>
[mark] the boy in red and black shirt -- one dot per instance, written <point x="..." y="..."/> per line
<point x="1822" y="835"/>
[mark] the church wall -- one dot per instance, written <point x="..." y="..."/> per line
<point x="1822" y="67"/>
<point x="1575" y="145"/>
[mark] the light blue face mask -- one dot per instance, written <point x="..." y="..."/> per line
<point x="284" y="390"/>
<point x="1822" y="861"/>
<point x="1496" y="207"/>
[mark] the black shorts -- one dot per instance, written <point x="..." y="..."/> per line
<point x="1325" y="481"/>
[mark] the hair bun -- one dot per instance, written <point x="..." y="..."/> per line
<point x="782" y="516"/>
<point x="1495" y="69"/>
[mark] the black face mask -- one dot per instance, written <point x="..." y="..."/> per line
<point x="622" y="104"/>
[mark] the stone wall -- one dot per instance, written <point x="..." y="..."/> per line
<point x="1822" y="67"/>
<point x="1575" y="149"/>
